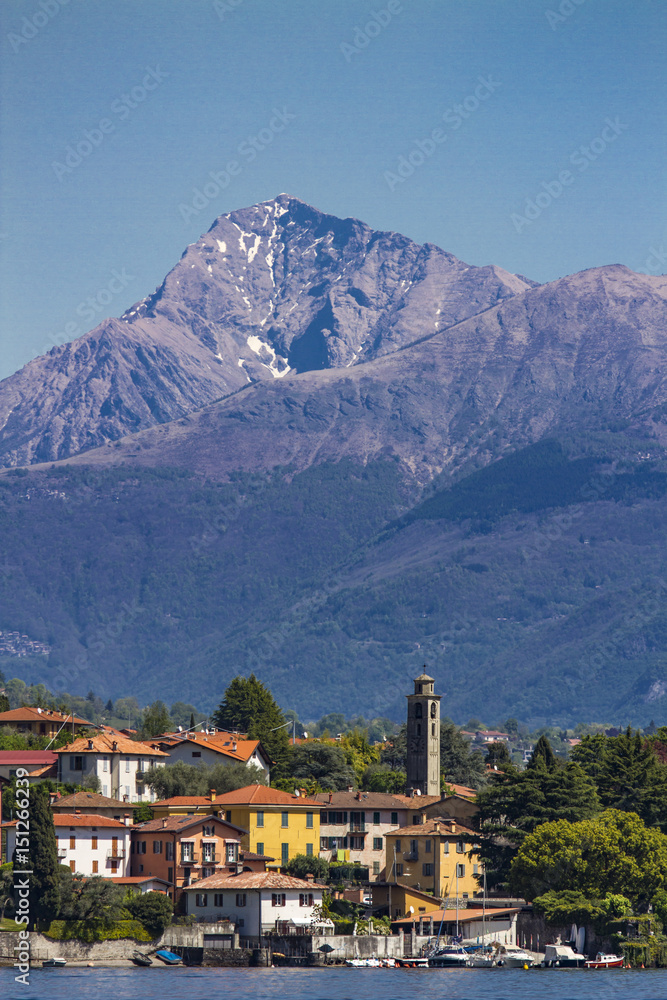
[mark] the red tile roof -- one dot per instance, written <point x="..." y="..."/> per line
<point x="83" y="819"/>
<point x="88" y="800"/>
<point x="254" y="880"/>
<point x="187" y="800"/>
<point x="447" y="827"/>
<point x="9" y="758"/>
<point x="263" y="795"/>
<point x="104" y="744"/>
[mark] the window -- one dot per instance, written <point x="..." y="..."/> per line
<point x="459" y="847"/>
<point x="357" y="843"/>
<point x="461" y="871"/>
<point x="232" y="851"/>
<point x="433" y="710"/>
<point x="427" y="869"/>
<point x="433" y="729"/>
<point x="475" y="869"/>
<point x="324" y="844"/>
<point x="206" y="872"/>
<point x="419" y="729"/>
<point x="93" y="843"/>
<point x="414" y="848"/>
<point x="338" y="817"/>
<point x="75" y="763"/>
<point x="394" y="819"/>
<point x="415" y="819"/>
<point x="445" y="847"/>
<point x="141" y="869"/>
<point x="240" y="898"/>
<point x="72" y="866"/>
<point x="284" y="853"/>
<point x="127" y="791"/>
<point x="397" y="845"/>
<point x="208" y="852"/>
<point x="399" y="871"/>
<point x="157" y="847"/>
<point x="141" y="847"/>
<point x="169" y="851"/>
<point x="218" y="899"/>
<point x="309" y="850"/>
<point x="285" y="819"/>
<point x="260" y="818"/>
<point x="208" y="831"/>
<point x="305" y="899"/>
<point x="376" y="818"/>
<point x="196" y="753"/>
<point x="377" y="843"/>
<point x="170" y="874"/>
<point x="228" y="815"/>
<point x="427" y="847"/>
<point x="201" y="899"/>
<point x="260" y="848"/>
<point x="418" y="711"/>
<point x="105" y="763"/>
<point x="278" y="898"/>
<point x="96" y="867"/>
<point x="127" y="765"/>
<point x="72" y="842"/>
<point x="376" y="867"/>
<point x="105" y="790"/>
<point x="187" y="852"/>
<point x="309" y="821"/>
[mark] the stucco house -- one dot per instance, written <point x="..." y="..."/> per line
<point x="89" y="845"/>
<point x="214" y="747"/>
<point x="118" y="762"/>
<point x="258" y="902"/>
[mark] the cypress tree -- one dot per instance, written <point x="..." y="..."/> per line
<point x="249" y="707"/>
<point x="41" y="860"/>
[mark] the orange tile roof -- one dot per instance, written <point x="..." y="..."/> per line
<point x="263" y="795"/>
<point x="253" y="880"/>
<point x="86" y="819"/>
<point x="104" y="743"/>
<point x="187" y="800"/>
<point x="429" y="828"/>
<point x="223" y="743"/>
<point x="30" y="714"/>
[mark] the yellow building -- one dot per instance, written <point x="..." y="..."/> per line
<point x="279" y="825"/>
<point x="433" y="857"/>
<point x="396" y="900"/>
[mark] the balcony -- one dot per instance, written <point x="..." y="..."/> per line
<point x="191" y="858"/>
<point x="212" y="858"/>
<point x="62" y="853"/>
<point x="357" y="828"/>
<point x="115" y="854"/>
<point x="140" y="776"/>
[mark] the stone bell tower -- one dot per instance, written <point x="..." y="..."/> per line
<point x="423" y="735"/>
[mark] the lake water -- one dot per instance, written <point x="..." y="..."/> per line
<point x="335" y="984"/>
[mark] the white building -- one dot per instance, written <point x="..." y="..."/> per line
<point x="257" y="902"/>
<point x="89" y="845"/>
<point x="118" y="762"/>
<point x="214" y="747"/>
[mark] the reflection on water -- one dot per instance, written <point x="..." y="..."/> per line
<point x="335" y="984"/>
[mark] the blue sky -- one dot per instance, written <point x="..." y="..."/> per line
<point x="484" y="105"/>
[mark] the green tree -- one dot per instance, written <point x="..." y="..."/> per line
<point x="323" y="763"/>
<point x="497" y="755"/>
<point x="6" y="888"/>
<point x="153" y="909"/>
<point x="249" y="707"/>
<point x="185" y="715"/>
<point x="305" y="864"/>
<point x="615" y="853"/>
<point x="4" y="703"/>
<point x="89" y="898"/>
<point x="381" y="778"/>
<point x="190" y="779"/>
<point x="155" y="720"/>
<point x="515" y="802"/>
<point x="42" y="860"/>
<point x="459" y="764"/>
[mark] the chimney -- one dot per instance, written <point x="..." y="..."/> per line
<point x="90" y="744"/>
<point x="310" y="877"/>
<point x="358" y="796"/>
<point x="213" y="795"/>
<point x="437" y="827"/>
<point x="350" y="788"/>
<point x="164" y="823"/>
<point x="114" y="746"/>
<point x="453" y="827"/>
<point x="233" y="747"/>
<point x="330" y="797"/>
<point x="126" y="819"/>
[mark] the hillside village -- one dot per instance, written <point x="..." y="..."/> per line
<point x="304" y="836"/>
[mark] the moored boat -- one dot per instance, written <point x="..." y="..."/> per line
<point x="169" y="957"/>
<point x="562" y="956"/>
<point x="510" y="957"/>
<point x="413" y="963"/>
<point x="603" y="961"/>
<point x="54" y="963"/>
<point x="482" y="960"/>
<point x="139" y="958"/>
<point x="452" y="956"/>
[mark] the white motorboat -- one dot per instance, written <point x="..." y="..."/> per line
<point x="482" y="960"/>
<point x="562" y="956"/>
<point x="510" y="957"/>
<point x="453" y="956"/>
